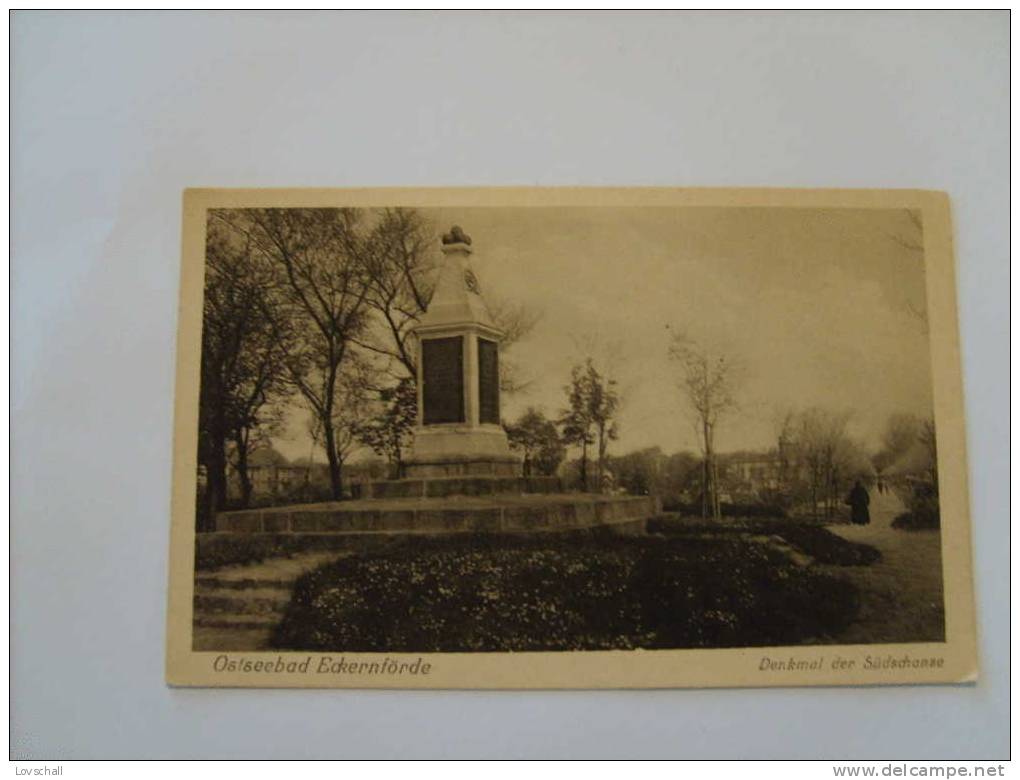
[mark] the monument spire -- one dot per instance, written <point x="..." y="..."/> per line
<point x="457" y="297"/>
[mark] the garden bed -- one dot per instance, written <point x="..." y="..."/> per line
<point x="499" y="594"/>
<point x="818" y="543"/>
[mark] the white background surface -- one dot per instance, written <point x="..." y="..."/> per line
<point x="115" y="113"/>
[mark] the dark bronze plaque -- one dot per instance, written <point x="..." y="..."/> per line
<point x="443" y="380"/>
<point x="488" y="381"/>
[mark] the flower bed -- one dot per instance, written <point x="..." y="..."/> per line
<point x="490" y="594"/>
<point x="815" y="541"/>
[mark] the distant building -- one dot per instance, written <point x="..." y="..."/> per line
<point x="272" y="476"/>
<point x="750" y="474"/>
<point x="282" y="480"/>
<point x="758" y="475"/>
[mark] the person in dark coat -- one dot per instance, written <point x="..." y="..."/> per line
<point x="858" y="501"/>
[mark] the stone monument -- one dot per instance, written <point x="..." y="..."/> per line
<point x="461" y="476"/>
<point x="459" y="432"/>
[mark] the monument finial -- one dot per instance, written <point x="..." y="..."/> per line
<point x="456" y="236"/>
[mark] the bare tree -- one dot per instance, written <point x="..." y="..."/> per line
<point x="319" y="256"/>
<point x="910" y="236"/>
<point x="787" y="456"/>
<point x="517" y="320"/>
<point x="824" y="449"/>
<point x="708" y="383"/>
<point x="399" y="268"/>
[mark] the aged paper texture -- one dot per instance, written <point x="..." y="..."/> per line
<point x="568" y="438"/>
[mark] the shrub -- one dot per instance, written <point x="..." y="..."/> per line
<point x="497" y="594"/>
<point x="922" y="511"/>
<point x="749" y="509"/>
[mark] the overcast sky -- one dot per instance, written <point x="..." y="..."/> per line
<point x="820" y="306"/>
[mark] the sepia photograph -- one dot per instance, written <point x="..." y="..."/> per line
<point x="565" y="428"/>
<point x="510" y="384"/>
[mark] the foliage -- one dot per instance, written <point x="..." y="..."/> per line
<point x="339" y="292"/>
<point x="603" y="405"/>
<point x="537" y="439"/>
<point x="244" y="346"/>
<point x="819" y="543"/>
<point x="398" y="268"/>
<point x="593" y="401"/>
<point x="827" y="547"/>
<point x="568" y="593"/>
<point x="575" y="421"/>
<point x="923" y="511"/>
<point x="389" y="431"/>
<point x="318" y="258"/>
<point x="214" y="551"/>
<point x="641" y="472"/>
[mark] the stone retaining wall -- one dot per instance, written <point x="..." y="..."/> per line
<point x="502" y="514"/>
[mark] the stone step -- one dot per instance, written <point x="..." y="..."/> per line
<point x="236" y="620"/>
<point x="275" y="572"/>
<point x="213" y="582"/>
<point x="225" y="639"/>
<point x="248" y="602"/>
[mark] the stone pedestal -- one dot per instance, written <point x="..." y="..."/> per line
<point x="458" y="431"/>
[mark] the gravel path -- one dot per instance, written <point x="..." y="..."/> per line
<point x="902" y="593"/>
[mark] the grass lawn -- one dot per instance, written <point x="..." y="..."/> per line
<point x="674" y="590"/>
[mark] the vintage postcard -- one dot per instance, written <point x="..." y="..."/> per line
<point x="568" y="438"/>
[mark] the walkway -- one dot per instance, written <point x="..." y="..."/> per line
<point x="236" y="608"/>
<point x="901" y="594"/>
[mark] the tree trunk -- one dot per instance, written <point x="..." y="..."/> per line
<point x="335" y="464"/>
<point x="399" y="464"/>
<point x="241" y="442"/>
<point x="216" y="478"/>
<point x="584" y="465"/>
<point x="716" y="503"/>
<point x="708" y="490"/>
<point x="814" y="493"/>
<point x="603" y="445"/>
<point x="705" y="480"/>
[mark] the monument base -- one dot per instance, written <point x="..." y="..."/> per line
<point x="451" y="514"/>
<point x="462" y="466"/>
<point x="441" y="487"/>
<point x="461" y="451"/>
